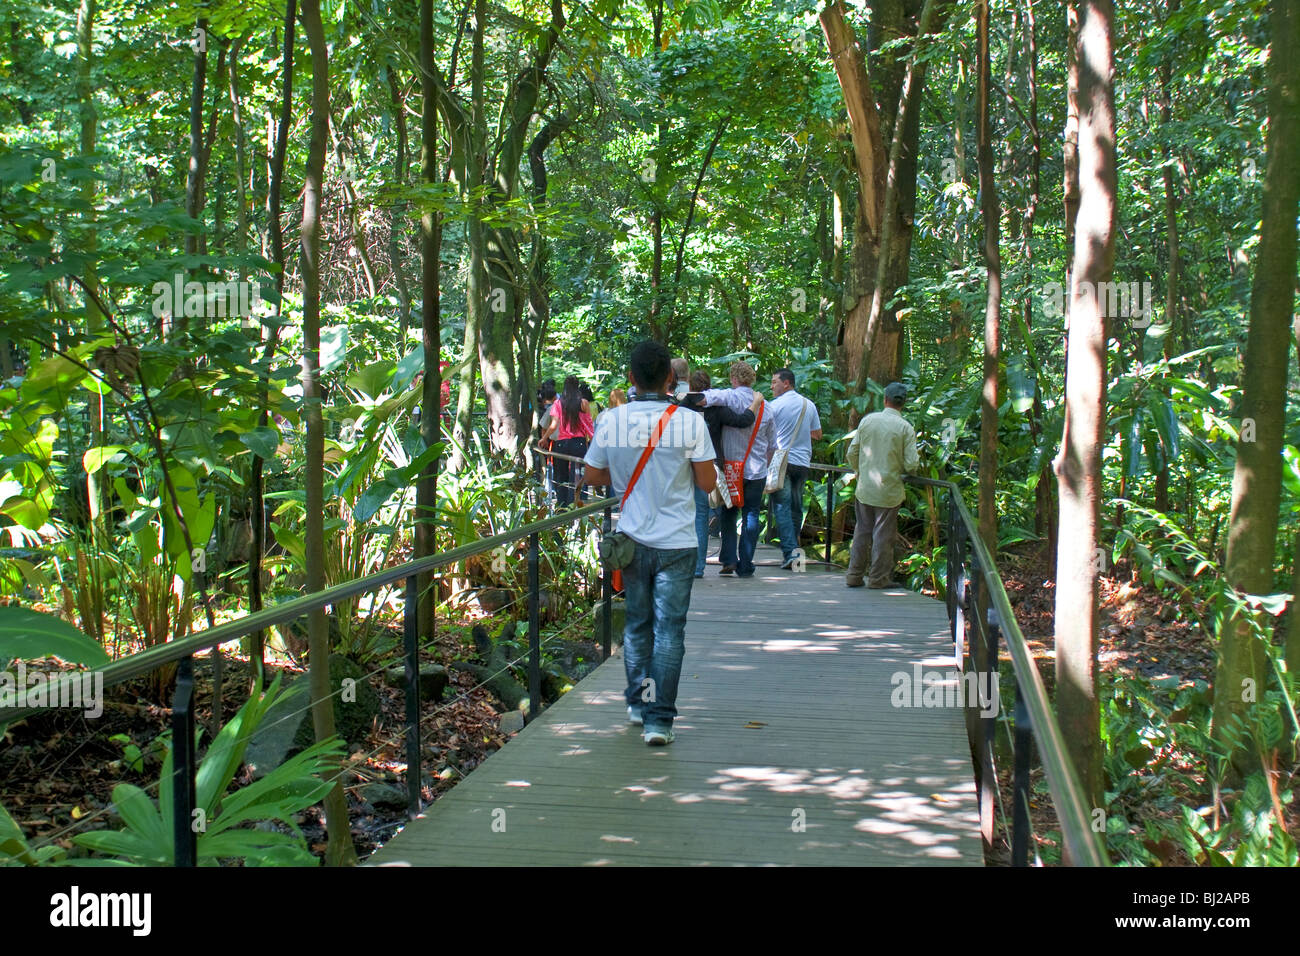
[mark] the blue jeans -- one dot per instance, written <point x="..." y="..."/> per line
<point x="658" y="588"/>
<point x="701" y="528"/>
<point x="788" y="505"/>
<point x="744" y="562"/>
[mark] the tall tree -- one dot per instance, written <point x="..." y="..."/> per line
<point x="426" y="491"/>
<point x="1078" y="466"/>
<point x="488" y="174"/>
<point x="871" y="336"/>
<point x="988" y="515"/>
<point x="96" y="495"/>
<point x="275" y="232"/>
<point x="340" y="851"/>
<point x="1257" y="478"/>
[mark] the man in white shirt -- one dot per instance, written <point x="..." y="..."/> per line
<point x="738" y="557"/>
<point x="883" y="447"/>
<point x="658" y="514"/>
<point x="797" y="426"/>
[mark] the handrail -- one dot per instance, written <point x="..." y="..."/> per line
<point x="137" y="665"/>
<point x="1084" y="845"/>
<point x="555" y="454"/>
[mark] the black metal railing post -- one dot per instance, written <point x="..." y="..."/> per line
<point x="534" y="633"/>
<point x="954" y="564"/>
<point x="607" y="590"/>
<point x="1024" y="736"/>
<point x="184" y="825"/>
<point x="959" y="612"/>
<point x="410" y="621"/>
<point x="830" y="508"/>
<point x="986" y="668"/>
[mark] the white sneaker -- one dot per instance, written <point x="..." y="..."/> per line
<point x="633" y="715"/>
<point x="657" y="738"/>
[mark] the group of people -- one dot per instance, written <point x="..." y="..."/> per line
<point x="566" y="425"/>
<point x="670" y="446"/>
<point x="747" y="432"/>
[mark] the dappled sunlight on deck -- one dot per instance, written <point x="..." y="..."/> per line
<point x="789" y="749"/>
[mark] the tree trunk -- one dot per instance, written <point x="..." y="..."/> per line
<point x="241" y="162"/>
<point x="1293" y="622"/>
<point x="1171" y="205"/>
<point x="96" y="494"/>
<point x="870" y="163"/>
<point x="194" y="177"/>
<point x="275" y="233"/>
<point x="539" y="279"/>
<point x="1071" y="153"/>
<point x="343" y="150"/>
<point x="671" y="309"/>
<point x="426" y="491"/>
<point x="205" y="159"/>
<point x="395" y="254"/>
<point x="988" y="517"/>
<point x="1257" y="479"/>
<point x="1078" y="466"/>
<point x="657" y="330"/>
<point x="873" y="350"/>
<point x="340" y="851"/>
<point x="1045" y="489"/>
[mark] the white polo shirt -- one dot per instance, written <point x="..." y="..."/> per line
<point x="786" y="409"/>
<point x="660" y="512"/>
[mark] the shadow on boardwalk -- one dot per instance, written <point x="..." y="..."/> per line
<point x="788" y="749"/>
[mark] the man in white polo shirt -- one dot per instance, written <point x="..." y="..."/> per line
<point x="797" y="426"/>
<point x="658" y="514"/>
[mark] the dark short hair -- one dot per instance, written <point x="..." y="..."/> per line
<point x="649" y="364"/>
<point x="785" y="375"/>
<point x="700" y="380"/>
<point x="548" y="390"/>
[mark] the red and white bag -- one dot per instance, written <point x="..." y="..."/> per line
<point x="735" y="470"/>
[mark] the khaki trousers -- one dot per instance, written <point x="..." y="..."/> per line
<point x="874" y="532"/>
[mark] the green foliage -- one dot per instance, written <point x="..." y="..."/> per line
<point x="30" y="635"/>
<point x="224" y="831"/>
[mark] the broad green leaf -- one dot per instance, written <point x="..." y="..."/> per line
<point x="372" y="499"/>
<point x="1020" y="383"/>
<point x="1291" y="468"/>
<point x="29" y="635"/>
<point x="372" y="381"/>
<point x="12" y="842"/>
<point x="333" y="347"/>
<point x="409" y="367"/>
<point x="139" y="814"/>
<point x="96" y="458"/>
<point x="262" y="441"/>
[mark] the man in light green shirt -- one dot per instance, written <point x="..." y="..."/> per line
<point x="883" y="448"/>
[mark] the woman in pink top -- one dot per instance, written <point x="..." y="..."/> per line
<point x="572" y="426"/>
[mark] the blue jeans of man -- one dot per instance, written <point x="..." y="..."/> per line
<point x="658" y="588"/>
<point x="748" y="543"/>
<point x="788" y="505"/>
<point x="701" y="528"/>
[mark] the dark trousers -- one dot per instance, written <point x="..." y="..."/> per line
<point x="567" y="473"/>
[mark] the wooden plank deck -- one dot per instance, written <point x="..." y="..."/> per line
<point x="799" y="654"/>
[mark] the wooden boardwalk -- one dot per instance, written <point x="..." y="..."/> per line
<point x="788" y="749"/>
